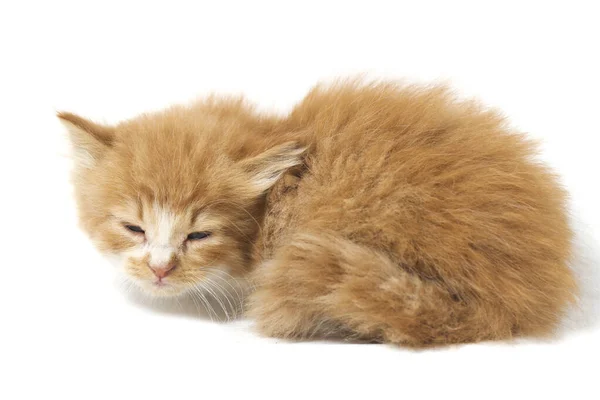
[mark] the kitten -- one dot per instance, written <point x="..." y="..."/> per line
<point x="379" y="212"/>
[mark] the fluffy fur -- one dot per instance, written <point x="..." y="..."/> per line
<point x="380" y="212"/>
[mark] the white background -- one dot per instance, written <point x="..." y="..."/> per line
<point x="66" y="329"/>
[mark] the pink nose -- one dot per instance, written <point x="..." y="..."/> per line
<point x="162" y="270"/>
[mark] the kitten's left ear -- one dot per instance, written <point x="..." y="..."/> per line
<point x="266" y="168"/>
<point x="89" y="140"/>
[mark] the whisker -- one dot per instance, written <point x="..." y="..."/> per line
<point x="195" y="292"/>
<point x="193" y="297"/>
<point x="217" y="274"/>
<point x="207" y="304"/>
<point x="213" y="294"/>
<point x="222" y="290"/>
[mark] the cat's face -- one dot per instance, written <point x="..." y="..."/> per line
<point x="168" y="250"/>
<point x="165" y="199"/>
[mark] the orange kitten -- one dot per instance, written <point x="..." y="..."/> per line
<point x="372" y="211"/>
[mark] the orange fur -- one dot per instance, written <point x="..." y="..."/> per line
<point x="375" y="211"/>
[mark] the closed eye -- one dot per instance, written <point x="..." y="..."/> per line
<point x="198" y="235"/>
<point x="135" y="228"/>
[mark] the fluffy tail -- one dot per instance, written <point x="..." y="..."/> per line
<point x="323" y="285"/>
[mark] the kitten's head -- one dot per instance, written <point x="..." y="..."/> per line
<point x="176" y="200"/>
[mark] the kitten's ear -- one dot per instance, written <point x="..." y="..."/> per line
<point x="89" y="140"/>
<point x="266" y="168"/>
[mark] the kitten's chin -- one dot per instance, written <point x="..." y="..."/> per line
<point x="162" y="289"/>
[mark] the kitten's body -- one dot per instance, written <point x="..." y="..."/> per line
<point x="409" y="217"/>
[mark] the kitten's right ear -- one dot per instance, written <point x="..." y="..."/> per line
<point x="89" y="140"/>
